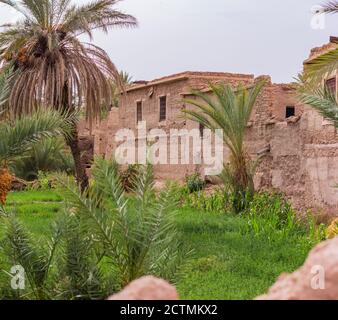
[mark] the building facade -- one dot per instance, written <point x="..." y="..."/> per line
<point x="300" y="147"/>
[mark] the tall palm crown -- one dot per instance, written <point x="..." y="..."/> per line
<point x="55" y="67"/>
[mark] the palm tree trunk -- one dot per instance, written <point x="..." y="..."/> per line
<point x="80" y="171"/>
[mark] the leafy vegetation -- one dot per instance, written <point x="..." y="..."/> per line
<point x="229" y="260"/>
<point x="231" y="112"/>
<point x="195" y="183"/>
<point x="53" y="67"/>
<point x="101" y="242"/>
<point x="20" y="135"/>
<point x="49" y="155"/>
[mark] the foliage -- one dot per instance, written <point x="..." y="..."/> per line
<point x="54" y="68"/>
<point x="227" y="263"/>
<point x="126" y="79"/>
<point x="332" y="229"/>
<point x="128" y="176"/>
<point x="195" y="183"/>
<point x="218" y="201"/>
<point x="47" y="156"/>
<point x="138" y="238"/>
<point x="230" y="112"/>
<point x="18" y="136"/>
<point x="325" y="64"/>
<point x="272" y="217"/>
<point x="76" y="274"/>
<point x="46" y="52"/>
<point x="5" y="78"/>
<point x="322" y="101"/>
<point x="102" y="241"/>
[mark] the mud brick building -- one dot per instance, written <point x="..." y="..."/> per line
<point x="301" y="148"/>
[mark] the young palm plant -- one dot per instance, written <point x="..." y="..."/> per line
<point x="54" y="67"/>
<point x="137" y="236"/>
<point x="34" y="257"/>
<point x="230" y="111"/>
<point x="50" y="155"/>
<point x="18" y="137"/>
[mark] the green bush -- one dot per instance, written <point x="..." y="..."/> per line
<point x="195" y="183"/>
<point x="102" y="241"/>
<point x="270" y="215"/>
<point x="49" y="155"/>
<point x="215" y="202"/>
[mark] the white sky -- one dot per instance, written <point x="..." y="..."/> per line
<point x="244" y="36"/>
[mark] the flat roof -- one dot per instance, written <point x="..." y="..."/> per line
<point x="188" y="75"/>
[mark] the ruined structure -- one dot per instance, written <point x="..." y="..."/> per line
<point x="301" y="147"/>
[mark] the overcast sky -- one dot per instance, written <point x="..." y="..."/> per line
<point x="244" y="36"/>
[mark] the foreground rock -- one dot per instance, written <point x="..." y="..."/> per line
<point x="317" y="279"/>
<point x="147" y="288"/>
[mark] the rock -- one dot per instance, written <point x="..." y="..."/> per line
<point x="317" y="279"/>
<point x="147" y="288"/>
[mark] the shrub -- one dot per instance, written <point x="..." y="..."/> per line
<point x="49" y="155"/>
<point x="195" y="183"/>
<point x="215" y="202"/>
<point x="103" y="241"/>
<point x="270" y="215"/>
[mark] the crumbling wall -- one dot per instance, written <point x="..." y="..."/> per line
<point x="301" y="152"/>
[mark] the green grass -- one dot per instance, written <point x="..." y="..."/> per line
<point x="227" y="263"/>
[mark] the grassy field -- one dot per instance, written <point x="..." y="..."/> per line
<point x="227" y="263"/>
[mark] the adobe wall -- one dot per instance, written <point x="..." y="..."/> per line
<point x="302" y="152"/>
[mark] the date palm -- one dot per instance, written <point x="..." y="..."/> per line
<point x="310" y="83"/>
<point x="18" y="137"/>
<point x="54" y="67"/>
<point x="230" y="111"/>
<point x="323" y="65"/>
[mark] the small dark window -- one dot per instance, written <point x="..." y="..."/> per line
<point x="201" y="127"/>
<point x="139" y="111"/>
<point x="290" y="112"/>
<point x="331" y="86"/>
<point x="163" y="108"/>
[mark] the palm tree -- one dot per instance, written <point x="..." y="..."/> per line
<point x="230" y="111"/>
<point x="323" y="65"/>
<point x="126" y="79"/>
<point x="54" y="67"/>
<point x="310" y="83"/>
<point x="18" y="137"/>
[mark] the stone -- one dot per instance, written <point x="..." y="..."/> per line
<point x="317" y="279"/>
<point x="147" y="288"/>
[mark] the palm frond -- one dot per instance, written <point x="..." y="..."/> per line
<point x="322" y="101"/>
<point x="131" y="231"/>
<point x="23" y="251"/>
<point x="19" y="135"/>
<point x="322" y="66"/>
<point x="330" y="7"/>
